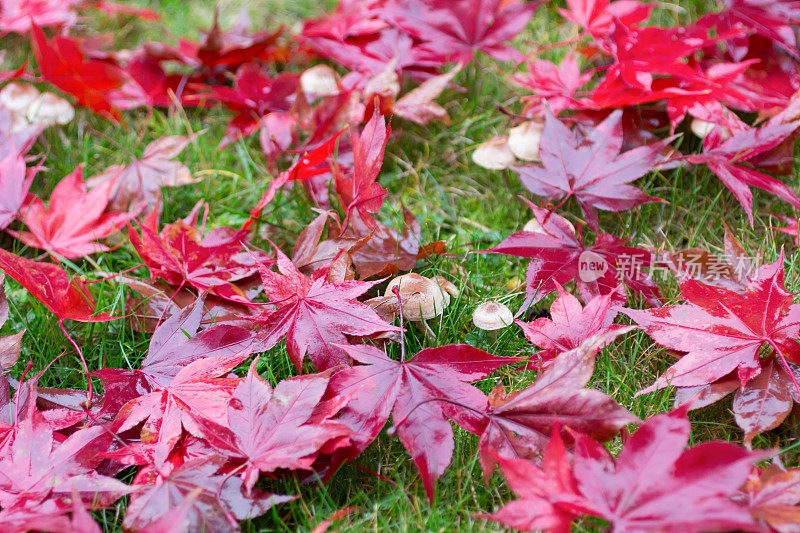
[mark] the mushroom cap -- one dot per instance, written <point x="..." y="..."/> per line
<point x="50" y="109"/>
<point x="701" y="127"/>
<point x="534" y="226"/>
<point x="447" y="286"/>
<point x="320" y="80"/>
<point x="492" y="315"/>
<point x="422" y="298"/>
<point x="494" y="154"/>
<point x="18" y="97"/>
<point x="523" y="140"/>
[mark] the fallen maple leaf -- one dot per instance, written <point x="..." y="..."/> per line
<point x="21" y="16"/>
<point x="219" y="504"/>
<point x="721" y="333"/>
<point x="597" y="16"/>
<point x="140" y="181"/>
<point x="590" y="167"/>
<point x="655" y="484"/>
<point x="418" y="106"/>
<point x="361" y="192"/>
<point x="552" y="85"/>
<point x="14" y="182"/>
<point x="198" y="389"/>
<point x="50" y="284"/>
<point x="180" y="254"/>
<point x="454" y="30"/>
<point x="35" y="466"/>
<point x="73" y="220"/>
<point x="10" y="345"/>
<point x="570" y="324"/>
<point x="64" y="64"/>
<point x="281" y="428"/>
<point x="727" y="158"/>
<point x="313" y="314"/>
<point x="772" y="495"/>
<point x="372" y="54"/>
<point x="260" y="103"/>
<point x="775" y="20"/>
<point x="420" y="394"/>
<point x="519" y="423"/>
<point x="558" y="256"/>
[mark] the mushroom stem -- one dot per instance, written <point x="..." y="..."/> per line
<point x="426" y="329"/>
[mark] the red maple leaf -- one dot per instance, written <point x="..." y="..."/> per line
<point x="455" y="30"/>
<point x="772" y="495"/>
<point x="21" y="16"/>
<point x="63" y="64"/>
<point x="180" y="254"/>
<point x="198" y="389"/>
<point x="361" y="192"/>
<point x="235" y="47"/>
<point x="313" y="314"/>
<point x="590" y="167"/>
<point x="552" y="85"/>
<point x="140" y="181"/>
<point x="282" y="428"/>
<point x="570" y="324"/>
<point x="50" y="284"/>
<point x="260" y="102"/>
<point x="655" y="483"/>
<point x="37" y="465"/>
<point x="519" y="423"/>
<point x="10" y="345"/>
<point x="373" y="54"/>
<point x="73" y="219"/>
<point x="721" y="332"/>
<point x="307" y="166"/>
<point x="728" y="159"/>
<point x="775" y="20"/>
<point x="558" y="256"/>
<point x="597" y="16"/>
<point x="420" y="394"/>
<point x="14" y="182"/>
<point x="216" y="501"/>
<point x="352" y="18"/>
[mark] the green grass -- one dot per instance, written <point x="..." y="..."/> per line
<point x="430" y="171"/>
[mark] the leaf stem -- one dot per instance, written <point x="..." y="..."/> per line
<point x="89" y="389"/>
<point x="423" y="402"/>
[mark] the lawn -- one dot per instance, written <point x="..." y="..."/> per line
<point x="428" y="169"/>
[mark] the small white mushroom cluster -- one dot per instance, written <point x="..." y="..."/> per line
<point x="502" y="151"/>
<point x="30" y="107"/>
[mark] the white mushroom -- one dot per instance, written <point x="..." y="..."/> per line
<point x="534" y="226"/>
<point x="490" y="316"/>
<point x="494" y="154"/>
<point x="50" y="109"/>
<point x="448" y="287"/>
<point x="702" y="128"/>
<point x="18" y="97"/>
<point x="320" y="80"/>
<point x="421" y="297"/>
<point x="523" y="140"/>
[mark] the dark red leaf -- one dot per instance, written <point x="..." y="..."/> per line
<point x="51" y="285"/>
<point x="420" y="394"/>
